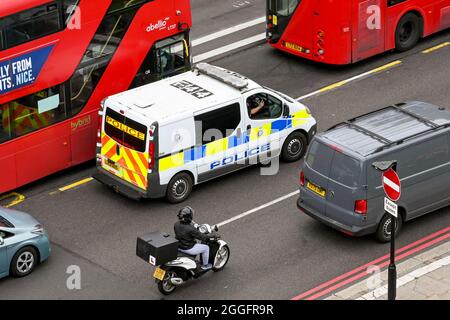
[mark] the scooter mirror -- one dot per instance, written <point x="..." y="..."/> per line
<point x="216" y="228"/>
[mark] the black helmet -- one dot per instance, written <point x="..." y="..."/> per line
<point x="186" y="214"/>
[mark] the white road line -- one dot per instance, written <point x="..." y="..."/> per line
<point x="228" y="31"/>
<point x="229" y="47"/>
<point x="379" y="292"/>
<point x="268" y="204"/>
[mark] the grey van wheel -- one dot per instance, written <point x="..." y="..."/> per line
<point x="294" y="147"/>
<point x="383" y="232"/>
<point x="179" y="188"/>
<point x="408" y="32"/>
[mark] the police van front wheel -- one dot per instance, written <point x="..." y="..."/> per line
<point x="179" y="188"/>
<point x="294" y="147"/>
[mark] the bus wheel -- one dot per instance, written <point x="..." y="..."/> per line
<point x="408" y="32"/>
<point x="179" y="188"/>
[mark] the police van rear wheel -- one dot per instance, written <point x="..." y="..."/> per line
<point x="179" y="188"/>
<point x="294" y="147"/>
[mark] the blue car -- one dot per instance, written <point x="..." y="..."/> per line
<point x="23" y="243"/>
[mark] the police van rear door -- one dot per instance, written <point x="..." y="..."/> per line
<point x="124" y="149"/>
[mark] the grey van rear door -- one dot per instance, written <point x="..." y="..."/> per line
<point x="345" y="186"/>
<point x="316" y="171"/>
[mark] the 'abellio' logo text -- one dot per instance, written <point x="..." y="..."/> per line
<point x="160" y="25"/>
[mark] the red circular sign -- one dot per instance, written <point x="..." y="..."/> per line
<point x="392" y="185"/>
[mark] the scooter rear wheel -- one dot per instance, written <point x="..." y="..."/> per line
<point x="164" y="286"/>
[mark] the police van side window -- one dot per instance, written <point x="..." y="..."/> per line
<point x="263" y="106"/>
<point x="217" y="124"/>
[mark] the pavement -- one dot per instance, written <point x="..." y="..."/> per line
<point x="422" y="277"/>
<point x="276" y="252"/>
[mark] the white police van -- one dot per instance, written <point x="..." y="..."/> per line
<point x="163" y="138"/>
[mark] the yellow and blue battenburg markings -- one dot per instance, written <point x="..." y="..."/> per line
<point x="212" y="148"/>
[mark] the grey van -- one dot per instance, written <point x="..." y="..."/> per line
<point x="340" y="187"/>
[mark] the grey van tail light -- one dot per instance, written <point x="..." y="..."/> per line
<point x="302" y="178"/>
<point x="361" y="207"/>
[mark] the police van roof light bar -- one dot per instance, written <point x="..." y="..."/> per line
<point x="231" y="78"/>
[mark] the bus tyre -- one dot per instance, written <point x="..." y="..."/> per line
<point x="294" y="147"/>
<point x="179" y="188"/>
<point x="384" y="228"/>
<point x="23" y="262"/>
<point x="408" y="32"/>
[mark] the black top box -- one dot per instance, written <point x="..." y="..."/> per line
<point x="157" y="248"/>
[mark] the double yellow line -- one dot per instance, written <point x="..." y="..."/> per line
<point x="18" y="198"/>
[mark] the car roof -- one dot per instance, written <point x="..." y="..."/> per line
<point x="387" y="127"/>
<point x="161" y="100"/>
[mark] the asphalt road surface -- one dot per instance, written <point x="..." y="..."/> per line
<point x="276" y="252"/>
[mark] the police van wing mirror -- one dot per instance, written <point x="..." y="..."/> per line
<point x="2" y="241"/>
<point x="286" y="111"/>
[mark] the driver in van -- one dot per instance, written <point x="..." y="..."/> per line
<point x="187" y="235"/>
<point x="255" y="104"/>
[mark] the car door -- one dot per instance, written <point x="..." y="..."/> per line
<point x="264" y="110"/>
<point x="220" y="142"/>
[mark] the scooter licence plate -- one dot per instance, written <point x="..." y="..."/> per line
<point x="159" y="274"/>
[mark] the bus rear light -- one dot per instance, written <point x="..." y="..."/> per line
<point x="302" y="178"/>
<point x="361" y="207"/>
<point x="269" y="26"/>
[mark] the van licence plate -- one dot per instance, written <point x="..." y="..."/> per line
<point x="159" y="274"/>
<point x="112" y="165"/>
<point x="321" y="192"/>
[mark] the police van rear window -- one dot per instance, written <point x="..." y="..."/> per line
<point x="127" y="132"/>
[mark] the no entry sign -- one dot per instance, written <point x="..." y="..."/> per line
<point x="391" y="184"/>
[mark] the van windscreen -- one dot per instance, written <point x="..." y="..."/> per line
<point x="319" y="157"/>
<point x="127" y="132"/>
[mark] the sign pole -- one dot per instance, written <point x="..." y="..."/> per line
<point x="392" y="187"/>
<point x="392" y="272"/>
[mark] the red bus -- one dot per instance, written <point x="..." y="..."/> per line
<point x="347" y="31"/>
<point x="60" y="58"/>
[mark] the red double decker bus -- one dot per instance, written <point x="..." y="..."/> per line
<point x="347" y="31"/>
<point x="60" y="58"/>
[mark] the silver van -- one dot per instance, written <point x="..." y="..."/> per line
<point x="340" y="187"/>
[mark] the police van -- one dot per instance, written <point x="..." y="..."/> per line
<point x="163" y="138"/>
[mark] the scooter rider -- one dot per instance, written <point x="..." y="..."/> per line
<point x="187" y="234"/>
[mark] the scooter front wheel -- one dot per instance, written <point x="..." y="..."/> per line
<point x="221" y="259"/>
<point x="165" y="286"/>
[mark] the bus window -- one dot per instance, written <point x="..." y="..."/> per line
<point x="167" y="58"/>
<point x="5" y="123"/>
<point x="96" y="58"/>
<point x="283" y="7"/>
<point x="122" y="4"/>
<point x="31" y="24"/>
<point x="32" y="112"/>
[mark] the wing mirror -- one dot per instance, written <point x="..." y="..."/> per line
<point x="2" y="242"/>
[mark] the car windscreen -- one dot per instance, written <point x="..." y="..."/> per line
<point x="125" y="131"/>
<point x="319" y="157"/>
<point x="346" y="170"/>
<point x="5" y="223"/>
